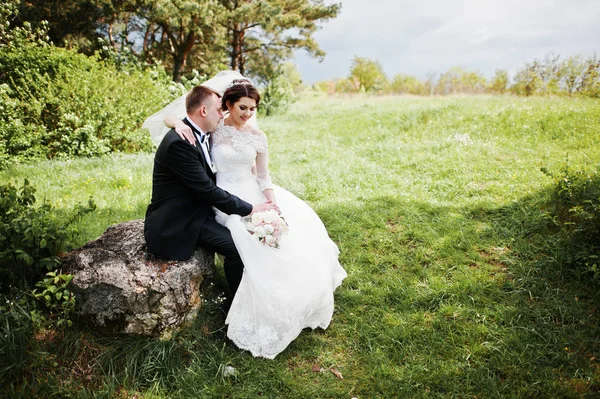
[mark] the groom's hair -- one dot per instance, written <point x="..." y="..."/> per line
<point x="198" y="96"/>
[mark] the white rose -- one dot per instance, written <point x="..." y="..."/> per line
<point x="271" y="216"/>
<point x="257" y="218"/>
<point x="270" y="239"/>
<point x="269" y="229"/>
<point x="260" y="231"/>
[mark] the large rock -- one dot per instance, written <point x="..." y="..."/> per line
<point x="120" y="287"/>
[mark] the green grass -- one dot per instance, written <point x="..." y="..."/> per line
<point x="455" y="286"/>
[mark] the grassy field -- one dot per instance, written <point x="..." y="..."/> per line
<point x="456" y="286"/>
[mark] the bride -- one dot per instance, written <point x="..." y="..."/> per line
<point x="285" y="289"/>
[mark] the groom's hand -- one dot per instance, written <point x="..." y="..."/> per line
<point x="266" y="206"/>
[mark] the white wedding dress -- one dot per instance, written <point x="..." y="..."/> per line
<point x="285" y="289"/>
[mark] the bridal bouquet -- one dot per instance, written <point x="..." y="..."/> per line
<point x="267" y="227"/>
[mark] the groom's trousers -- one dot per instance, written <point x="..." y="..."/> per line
<point x="216" y="237"/>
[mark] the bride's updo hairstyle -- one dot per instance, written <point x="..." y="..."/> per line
<point x="239" y="88"/>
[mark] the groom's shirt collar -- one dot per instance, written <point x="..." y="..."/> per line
<point x="199" y="131"/>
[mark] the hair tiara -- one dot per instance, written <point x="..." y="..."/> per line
<point x="242" y="82"/>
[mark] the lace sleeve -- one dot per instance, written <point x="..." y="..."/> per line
<point x="262" y="163"/>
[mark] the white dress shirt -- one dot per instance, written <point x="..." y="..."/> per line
<point x="202" y="140"/>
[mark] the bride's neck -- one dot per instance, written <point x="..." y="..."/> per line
<point x="230" y="122"/>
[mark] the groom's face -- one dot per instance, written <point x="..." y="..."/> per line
<point x="213" y="113"/>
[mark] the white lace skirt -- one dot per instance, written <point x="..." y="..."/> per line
<point x="285" y="289"/>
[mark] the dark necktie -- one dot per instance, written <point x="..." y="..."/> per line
<point x="205" y="139"/>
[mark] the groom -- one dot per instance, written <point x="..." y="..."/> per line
<point x="180" y="215"/>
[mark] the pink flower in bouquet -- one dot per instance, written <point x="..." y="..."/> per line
<point x="268" y="227"/>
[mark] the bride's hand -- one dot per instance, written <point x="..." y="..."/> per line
<point x="266" y="206"/>
<point x="185" y="132"/>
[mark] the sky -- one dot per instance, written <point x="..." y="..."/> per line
<point x="421" y="37"/>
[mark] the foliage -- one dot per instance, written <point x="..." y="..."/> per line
<point x="575" y="210"/>
<point x="350" y="84"/>
<point x="57" y="299"/>
<point x="549" y="74"/>
<point x="276" y="96"/>
<point x="581" y="76"/>
<point x="280" y="86"/>
<point x="67" y="20"/>
<point x="575" y="75"/>
<point x="405" y="84"/>
<point x="291" y="73"/>
<point x="500" y="82"/>
<point x="31" y="240"/>
<point x="527" y="79"/>
<point x="182" y="34"/>
<point x="369" y="75"/>
<point x="31" y="237"/>
<point x="58" y="103"/>
<point x="17" y="35"/>
<point x="267" y="32"/>
<point x="458" y="80"/>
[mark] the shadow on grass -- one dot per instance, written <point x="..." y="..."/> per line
<point x="464" y="300"/>
<point x="440" y="301"/>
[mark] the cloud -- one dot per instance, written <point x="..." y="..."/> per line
<point x="420" y="37"/>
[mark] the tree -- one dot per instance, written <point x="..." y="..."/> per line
<point x="347" y="85"/>
<point x="527" y="79"/>
<point x="67" y="19"/>
<point x="571" y="73"/>
<point x="430" y="83"/>
<point x="457" y="80"/>
<point x="292" y="75"/>
<point x="185" y="27"/>
<point x="270" y="30"/>
<point x="590" y="80"/>
<point x="499" y="84"/>
<point x="278" y="81"/>
<point x="252" y="36"/>
<point x="549" y="75"/>
<point x="368" y="73"/>
<point x="405" y="84"/>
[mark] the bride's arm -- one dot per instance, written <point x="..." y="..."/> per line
<point x="183" y="130"/>
<point x="270" y="196"/>
<point x="262" y="174"/>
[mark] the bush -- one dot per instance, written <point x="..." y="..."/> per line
<point x="276" y="97"/>
<point x="55" y="102"/>
<point x="31" y="237"/>
<point x="575" y="211"/>
<point x="58" y="103"/>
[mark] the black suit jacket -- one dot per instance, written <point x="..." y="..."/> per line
<point x="183" y="194"/>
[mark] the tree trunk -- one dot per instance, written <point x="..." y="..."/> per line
<point x="180" y="56"/>
<point x="237" y="46"/>
<point x="146" y="39"/>
<point x="178" y="65"/>
<point x="110" y="34"/>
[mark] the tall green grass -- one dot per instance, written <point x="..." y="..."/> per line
<point x="456" y="282"/>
